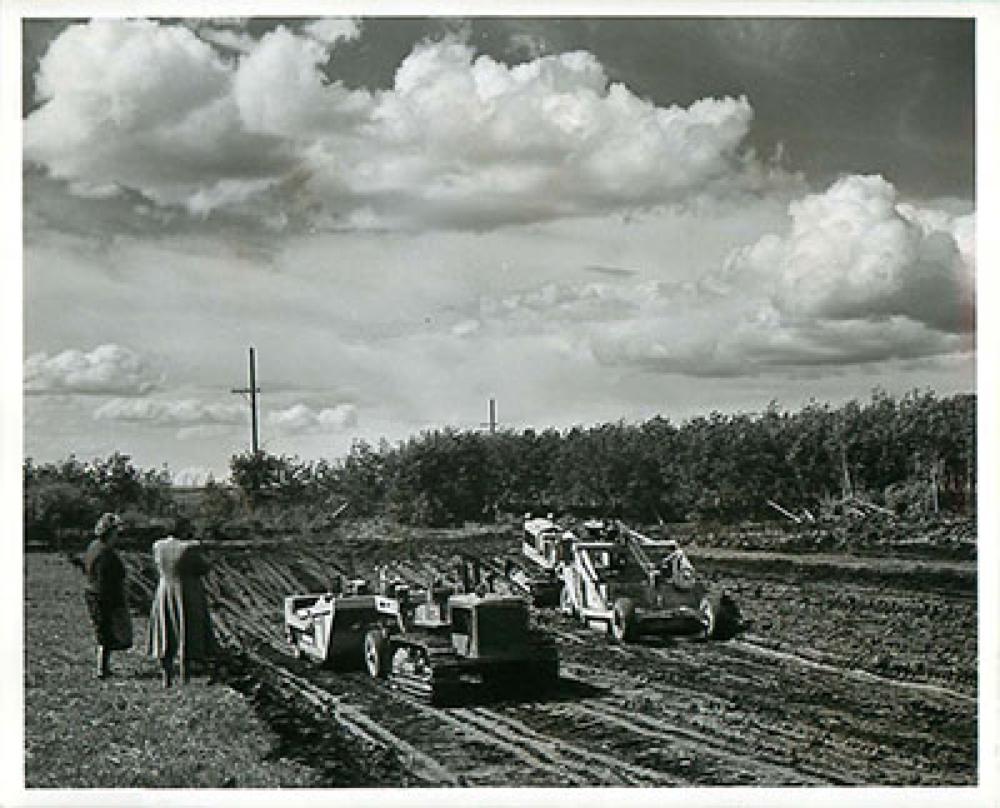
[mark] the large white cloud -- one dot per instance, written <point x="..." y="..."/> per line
<point x="854" y="252"/>
<point x="109" y="369"/>
<point x="857" y="278"/>
<point x="147" y="107"/>
<point x="458" y="141"/>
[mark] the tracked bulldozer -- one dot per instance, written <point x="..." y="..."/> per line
<point x="436" y="645"/>
<point x="455" y="642"/>
<point x="458" y="640"/>
<point x="637" y="586"/>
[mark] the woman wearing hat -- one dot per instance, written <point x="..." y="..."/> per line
<point x="105" y="594"/>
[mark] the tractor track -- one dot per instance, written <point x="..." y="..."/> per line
<point x="686" y="742"/>
<point x="586" y="765"/>
<point x="757" y="646"/>
<point x="477" y="745"/>
<point x="744" y="705"/>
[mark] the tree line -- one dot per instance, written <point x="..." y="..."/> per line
<point x="72" y="494"/>
<point x="914" y="453"/>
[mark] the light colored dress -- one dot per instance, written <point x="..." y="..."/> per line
<point x="179" y="622"/>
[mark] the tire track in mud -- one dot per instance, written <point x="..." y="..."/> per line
<point x="688" y="742"/>
<point x="647" y="749"/>
<point x="537" y="736"/>
<point x="358" y="722"/>
<point x="585" y="764"/>
<point x="841" y="734"/>
<point x="730" y="746"/>
<point x="754" y="645"/>
<point x="927" y="636"/>
<point x="492" y="745"/>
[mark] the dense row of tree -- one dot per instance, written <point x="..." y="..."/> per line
<point x="71" y="495"/>
<point x="916" y="451"/>
<point x="723" y="467"/>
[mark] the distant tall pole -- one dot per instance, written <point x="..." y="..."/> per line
<point x="492" y="423"/>
<point x="252" y="390"/>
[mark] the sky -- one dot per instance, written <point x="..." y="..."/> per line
<point x="587" y="219"/>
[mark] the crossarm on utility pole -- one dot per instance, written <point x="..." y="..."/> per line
<point x="252" y="390"/>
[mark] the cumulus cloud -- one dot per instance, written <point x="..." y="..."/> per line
<point x="459" y="140"/>
<point x="857" y="278"/>
<point x="331" y="30"/>
<point x="170" y="413"/>
<point x="280" y="91"/>
<point x="148" y="107"/>
<point x="853" y="252"/>
<point x="301" y="418"/>
<point x="107" y="370"/>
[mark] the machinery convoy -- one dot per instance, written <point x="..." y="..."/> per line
<point x="435" y="643"/>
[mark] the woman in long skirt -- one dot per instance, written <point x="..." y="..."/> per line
<point x="105" y="595"/>
<point x="179" y="622"/>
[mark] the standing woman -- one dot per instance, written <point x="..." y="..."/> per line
<point x="105" y="594"/>
<point x="179" y="622"/>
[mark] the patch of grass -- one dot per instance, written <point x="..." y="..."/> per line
<point x="128" y="731"/>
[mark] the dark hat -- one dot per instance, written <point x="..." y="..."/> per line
<point x="107" y="522"/>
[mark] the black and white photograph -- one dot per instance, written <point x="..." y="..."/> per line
<point x="586" y="398"/>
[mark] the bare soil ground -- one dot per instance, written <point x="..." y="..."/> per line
<point x="850" y="671"/>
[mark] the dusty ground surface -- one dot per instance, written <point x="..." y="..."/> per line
<point x="849" y="672"/>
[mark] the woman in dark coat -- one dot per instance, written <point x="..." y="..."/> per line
<point x="105" y="594"/>
<point x="179" y="623"/>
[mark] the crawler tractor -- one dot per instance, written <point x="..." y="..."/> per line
<point x="434" y="649"/>
<point x="637" y="586"/>
<point x="456" y="640"/>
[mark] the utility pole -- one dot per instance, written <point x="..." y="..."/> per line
<point x="492" y="423"/>
<point x="252" y="390"/>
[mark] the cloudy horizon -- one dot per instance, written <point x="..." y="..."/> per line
<point x="589" y="220"/>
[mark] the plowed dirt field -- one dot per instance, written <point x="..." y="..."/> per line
<point x="848" y="672"/>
